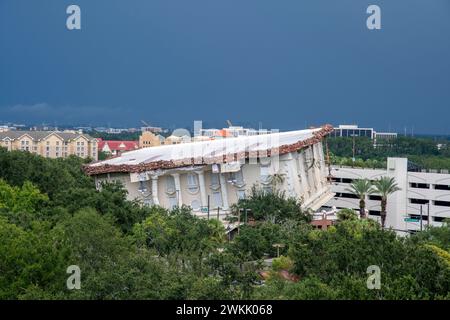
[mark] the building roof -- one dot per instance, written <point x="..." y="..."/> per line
<point x="209" y="152"/>
<point x="40" y="135"/>
<point x="118" y="145"/>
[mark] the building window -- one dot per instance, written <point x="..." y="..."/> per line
<point x="170" y="185"/>
<point x="419" y="201"/>
<point x="173" y="202"/>
<point x="442" y="203"/>
<point x="237" y="179"/>
<point x="195" y="205"/>
<point x="445" y="187"/>
<point x="375" y="213"/>
<point x="265" y="178"/>
<point x="346" y="195"/>
<point x="439" y="219"/>
<point x="417" y="217"/>
<point x="217" y="199"/>
<point x="241" y="194"/>
<point x="374" y="197"/>
<point x="192" y="182"/>
<point x="419" y="185"/>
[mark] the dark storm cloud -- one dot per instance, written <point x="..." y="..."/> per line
<point x="285" y="63"/>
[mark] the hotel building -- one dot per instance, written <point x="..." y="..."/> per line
<point x="51" y="144"/>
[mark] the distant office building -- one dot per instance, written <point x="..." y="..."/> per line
<point x="355" y="131"/>
<point x="51" y="144"/>
<point x="151" y="129"/>
<point x="231" y="132"/>
<point x="149" y="139"/>
<point x="426" y="189"/>
<point x="116" y="147"/>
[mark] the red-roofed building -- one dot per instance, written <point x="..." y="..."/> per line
<point x="116" y="147"/>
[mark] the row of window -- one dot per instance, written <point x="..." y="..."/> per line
<point x="416" y="185"/>
<point x="438" y="203"/>
<point x="193" y="187"/>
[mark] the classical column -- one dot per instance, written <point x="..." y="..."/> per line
<point x="317" y="166"/>
<point x="293" y="176"/>
<point x="223" y="188"/>
<point x="176" y="177"/>
<point x="155" y="190"/>
<point x="323" y="164"/>
<point x="302" y="174"/>
<point x="201" y="182"/>
<point x="310" y="173"/>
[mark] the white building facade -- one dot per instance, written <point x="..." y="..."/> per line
<point x="213" y="175"/>
<point x="431" y="191"/>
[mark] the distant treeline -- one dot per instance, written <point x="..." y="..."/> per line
<point x="124" y="136"/>
<point x="427" y="153"/>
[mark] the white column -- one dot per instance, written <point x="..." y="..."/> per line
<point x="293" y="174"/>
<point x="201" y="182"/>
<point x="323" y="163"/>
<point x="309" y="167"/>
<point x="223" y="188"/>
<point x="302" y="173"/>
<point x="317" y="166"/>
<point x="176" y="177"/>
<point x="155" y="190"/>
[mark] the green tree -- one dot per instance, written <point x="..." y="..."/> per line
<point x="347" y="214"/>
<point x="270" y="206"/>
<point x="361" y="188"/>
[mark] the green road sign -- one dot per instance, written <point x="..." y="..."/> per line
<point x="411" y="220"/>
<point x="205" y="209"/>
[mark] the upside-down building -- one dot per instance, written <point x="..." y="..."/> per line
<point x="214" y="174"/>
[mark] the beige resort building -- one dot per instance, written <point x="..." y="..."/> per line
<point x="219" y="172"/>
<point x="51" y="144"/>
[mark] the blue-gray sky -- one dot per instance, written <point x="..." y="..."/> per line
<point x="283" y="63"/>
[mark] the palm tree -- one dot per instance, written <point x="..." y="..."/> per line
<point x="277" y="179"/>
<point x="361" y="188"/>
<point x="385" y="186"/>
